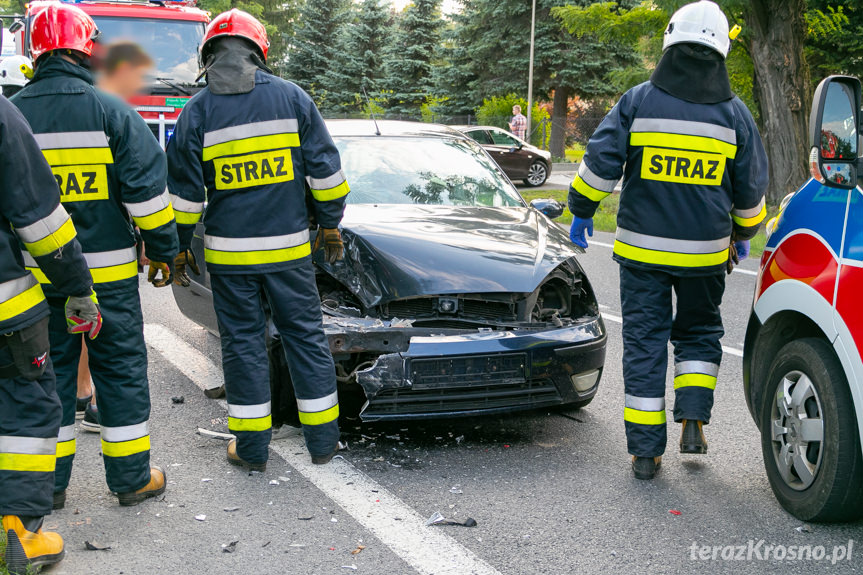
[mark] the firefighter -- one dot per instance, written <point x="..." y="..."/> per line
<point x="12" y="74"/>
<point x="30" y="411"/>
<point x="254" y="142"/>
<point x="108" y="166"/>
<point x="694" y="173"/>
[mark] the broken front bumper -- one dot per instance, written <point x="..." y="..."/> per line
<point x="470" y="373"/>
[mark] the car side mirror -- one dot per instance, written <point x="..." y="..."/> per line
<point x="834" y="132"/>
<point x="549" y="207"/>
<point x="16" y="26"/>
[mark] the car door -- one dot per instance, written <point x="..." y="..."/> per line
<point x="509" y="154"/>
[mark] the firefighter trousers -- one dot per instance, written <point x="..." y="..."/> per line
<point x="118" y="366"/>
<point x="29" y="420"/>
<point x="295" y="305"/>
<point x="694" y="328"/>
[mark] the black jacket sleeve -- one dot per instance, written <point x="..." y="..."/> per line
<point x="186" y="176"/>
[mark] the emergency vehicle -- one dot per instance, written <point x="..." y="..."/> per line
<point x="169" y="31"/>
<point x="803" y="373"/>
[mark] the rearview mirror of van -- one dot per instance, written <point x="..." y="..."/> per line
<point x="834" y="132"/>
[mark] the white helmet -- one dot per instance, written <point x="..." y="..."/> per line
<point x="11" y="73"/>
<point x="699" y="23"/>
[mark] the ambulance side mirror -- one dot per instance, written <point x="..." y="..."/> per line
<point x="834" y="132"/>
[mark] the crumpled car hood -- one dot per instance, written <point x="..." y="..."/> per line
<point x="401" y="251"/>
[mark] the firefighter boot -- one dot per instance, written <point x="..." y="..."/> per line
<point x="26" y="551"/>
<point x="156" y="486"/>
<point x="692" y="438"/>
<point x="235" y="459"/>
<point x="645" y="467"/>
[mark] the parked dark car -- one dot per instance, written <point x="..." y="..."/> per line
<point x="455" y="298"/>
<point x="519" y="160"/>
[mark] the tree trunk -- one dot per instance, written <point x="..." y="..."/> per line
<point x="777" y="31"/>
<point x="559" y="113"/>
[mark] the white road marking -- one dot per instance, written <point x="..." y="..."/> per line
<point x="725" y="349"/>
<point x="737" y="270"/>
<point x="428" y="550"/>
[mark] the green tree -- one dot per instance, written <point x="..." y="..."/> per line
<point x="361" y="46"/>
<point x="410" y="56"/>
<point x="314" y="49"/>
<point x="834" y="44"/>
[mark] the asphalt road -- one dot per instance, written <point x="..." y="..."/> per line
<point x="551" y="492"/>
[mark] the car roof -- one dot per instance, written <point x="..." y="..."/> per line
<point x="474" y="127"/>
<point x="389" y="128"/>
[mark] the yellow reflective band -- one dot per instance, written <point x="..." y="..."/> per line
<point x="695" y="380"/>
<point x="22" y="302"/>
<point x="78" y="156"/>
<point x="257" y="257"/>
<point x="588" y="191"/>
<point x="643" y="417"/>
<point x="683" y="142"/>
<point x="39" y="274"/>
<point x="187" y="218"/>
<point x="81" y="183"/>
<point x="750" y="222"/>
<point x="249" y="145"/>
<point x="65" y="448"/>
<point x="682" y="167"/>
<point x="669" y="258"/>
<point x="332" y="194"/>
<point x="52" y="242"/>
<point x="256" y="424"/>
<point x="125" y="448"/>
<point x="262" y="169"/>
<point x="100" y="275"/>
<point x="320" y="417"/>
<point x="153" y="221"/>
<point x="27" y="462"/>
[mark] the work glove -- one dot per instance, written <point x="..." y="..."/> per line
<point x="331" y="240"/>
<point x="579" y="226"/>
<point x="155" y="268"/>
<point x="733" y="258"/>
<point x="183" y="259"/>
<point x="83" y="315"/>
<point x="742" y="248"/>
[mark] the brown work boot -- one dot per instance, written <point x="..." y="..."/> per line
<point x="692" y="440"/>
<point x="235" y="459"/>
<point x="27" y="551"/>
<point x="646" y="467"/>
<point x="156" y="486"/>
<point x="324" y="459"/>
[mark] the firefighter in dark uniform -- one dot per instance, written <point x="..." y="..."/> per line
<point x="109" y="167"/>
<point x="30" y="412"/>
<point x="694" y="175"/>
<point x="254" y="142"/>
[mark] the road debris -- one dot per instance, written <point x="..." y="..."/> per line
<point x="804" y="529"/>
<point x="232" y="509"/>
<point x="96" y="547"/>
<point x="274" y="482"/>
<point x="674" y="511"/>
<point x="309" y="518"/>
<point x="459" y="439"/>
<point x="206" y="479"/>
<point x="214" y="434"/>
<point x="334" y="520"/>
<point x="265" y="544"/>
<point x="283" y="478"/>
<point x="229" y="547"/>
<point x="358" y="550"/>
<point x="438" y="519"/>
<point x="456" y="489"/>
<point x="177" y="399"/>
<point x="352" y="567"/>
<point x="200" y="517"/>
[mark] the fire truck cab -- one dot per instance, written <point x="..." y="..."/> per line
<point x="169" y="31"/>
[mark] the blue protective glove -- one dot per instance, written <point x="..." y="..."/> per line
<point x="579" y="226"/>
<point x="742" y="247"/>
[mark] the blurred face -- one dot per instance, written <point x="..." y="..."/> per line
<point x="125" y="81"/>
<point x="516" y="110"/>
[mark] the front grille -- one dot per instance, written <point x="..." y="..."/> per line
<point x="409" y="308"/>
<point x="488" y="309"/>
<point x="467" y="309"/>
<point x="468" y="371"/>
<point x="430" y="402"/>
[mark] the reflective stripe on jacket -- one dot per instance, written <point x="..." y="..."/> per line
<point x="256" y="155"/>
<point x="692" y="174"/>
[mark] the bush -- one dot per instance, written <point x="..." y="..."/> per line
<point x="497" y="111"/>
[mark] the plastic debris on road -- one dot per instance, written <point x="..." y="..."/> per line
<point x="229" y="547"/>
<point x="96" y="547"/>
<point x="456" y="489"/>
<point x="206" y="479"/>
<point x="358" y="550"/>
<point x="352" y="567"/>
<point x="274" y="481"/>
<point x="232" y="509"/>
<point x="438" y="519"/>
<point x="214" y="434"/>
<point x="674" y="511"/>
<point x="200" y="517"/>
<point x="803" y="529"/>
<point x="177" y="399"/>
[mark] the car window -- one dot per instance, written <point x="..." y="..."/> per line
<point x="480" y="136"/>
<point x="423" y="170"/>
<point x="503" y="139"/>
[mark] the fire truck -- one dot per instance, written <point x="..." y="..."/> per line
<point x="169" y="31"/>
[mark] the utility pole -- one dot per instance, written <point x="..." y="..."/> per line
<point x="530" y="69"/>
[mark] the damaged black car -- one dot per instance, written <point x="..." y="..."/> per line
<point x="455" y="297"/>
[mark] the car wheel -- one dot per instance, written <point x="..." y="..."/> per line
<point x="537" y="174"/>
<point x="809" y="435"/>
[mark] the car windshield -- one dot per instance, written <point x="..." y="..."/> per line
<point x="423" y="170"/>
<point x="172" y="44"/>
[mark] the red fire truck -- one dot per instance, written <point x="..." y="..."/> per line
<point x="169" y="31"/>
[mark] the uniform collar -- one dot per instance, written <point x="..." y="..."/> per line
<point x="56" y="67"/>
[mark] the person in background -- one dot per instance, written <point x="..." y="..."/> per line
<point x="12" y="76"/>
<point x="518" y="124"/>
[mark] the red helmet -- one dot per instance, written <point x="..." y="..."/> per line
<point x="236" y="23"/>
<point x="61" y="27"/>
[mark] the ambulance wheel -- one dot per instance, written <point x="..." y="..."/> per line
<point x="537" y="174"/>
<point x="809" y="435"/>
